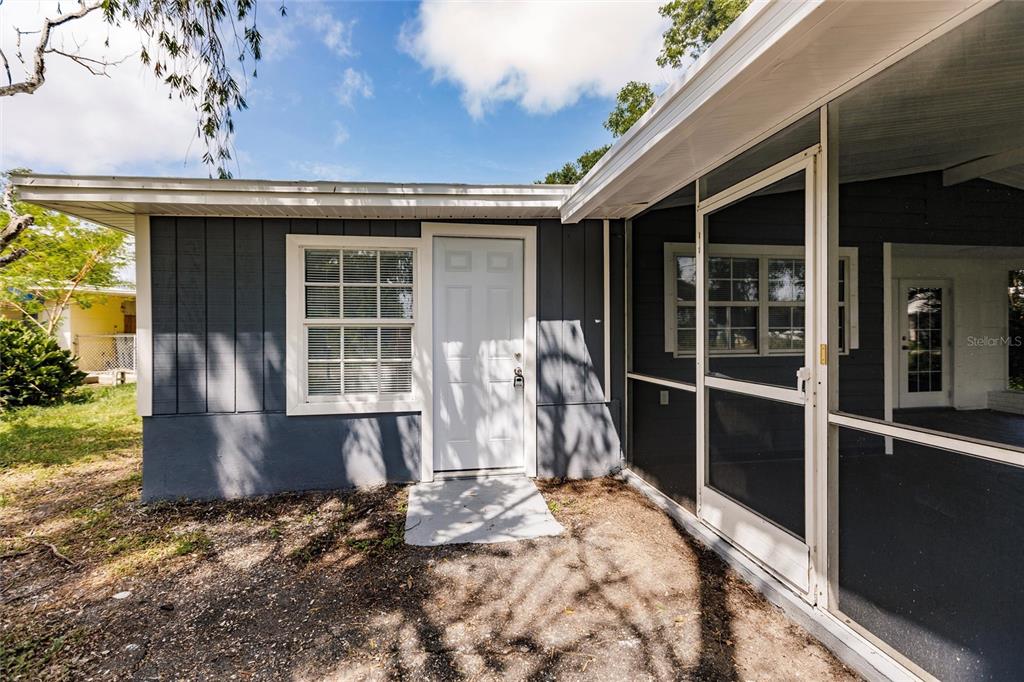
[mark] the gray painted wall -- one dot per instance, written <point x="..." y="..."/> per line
<point x="218" y="427"/>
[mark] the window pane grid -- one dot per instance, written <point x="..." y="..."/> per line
<point x="358" y="318"/>
<point x="359" y="359"/>
<point x="733" y="283"/>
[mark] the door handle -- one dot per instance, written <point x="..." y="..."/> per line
<point x="802" y="375"/>
<point x="518" y="380"/>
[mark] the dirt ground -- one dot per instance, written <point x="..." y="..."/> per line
<point x="322" y="587"/>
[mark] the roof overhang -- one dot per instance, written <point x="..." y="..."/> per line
<point x="115" y="201"/>
<point x="776" y="63"/>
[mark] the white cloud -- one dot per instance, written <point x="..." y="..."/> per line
<point x="353" y="84"/>
<point x="279" y="39"/>
<point x="80" y="123"/>
<point x="279" y="33"/>
<point x="542" y="55"/>
<point x="340" y="134"/>
<point x="335" y="33"/>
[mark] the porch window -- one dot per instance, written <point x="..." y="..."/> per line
<point x="755" y="300"/>
<point x="354" y="316"/>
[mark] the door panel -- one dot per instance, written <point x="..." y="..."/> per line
<point x="478" y="345"/>
<point x="757" y="349"/>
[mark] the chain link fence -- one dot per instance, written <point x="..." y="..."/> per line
<point x="99" y="353"/>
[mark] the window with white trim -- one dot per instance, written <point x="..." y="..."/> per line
<point x="756" y="300"/>
<point x="357" y="323"/>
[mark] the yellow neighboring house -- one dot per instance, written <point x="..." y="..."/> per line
<point x="102" y="335"/>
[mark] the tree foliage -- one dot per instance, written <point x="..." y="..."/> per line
<point x="34" y="370"/>
<point x="193" y="46"/>
<point x="573" y="171"/>
<point x="632" y="102"/>
<point x="695" y="25"/>
<point x="202" y="50"/>
<point x="65" y="260"/>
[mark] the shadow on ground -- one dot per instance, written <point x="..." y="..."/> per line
<point x="322" y="586"/>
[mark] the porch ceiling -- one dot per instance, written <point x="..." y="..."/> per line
<point x="115" y="201"/>
<point x="778" y="62"/>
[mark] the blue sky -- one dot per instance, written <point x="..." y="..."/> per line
<point x="413" y="128"/>
<point x="386" y="91"/>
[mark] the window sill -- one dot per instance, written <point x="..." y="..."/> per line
<point x="351" y="407"/>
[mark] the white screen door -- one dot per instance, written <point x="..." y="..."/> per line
<point x="756" y="362"/>
<point x="924" y="342"/>
<point x="478" y="348"/>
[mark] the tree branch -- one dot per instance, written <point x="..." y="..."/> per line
<point x="38" y="75"/>
<point x="97" y="67"/>
<point x="7" y="66"/>
<point x="28" y="316"/>
<point x="62" y="303"/>
<point x="16" y="224"/>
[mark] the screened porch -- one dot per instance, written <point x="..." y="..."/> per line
<point x="826" y="347"/>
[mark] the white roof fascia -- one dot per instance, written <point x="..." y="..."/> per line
<point x="113" y="200"/>
<point x="761" y="34"/>
<point x="750" y="35"/>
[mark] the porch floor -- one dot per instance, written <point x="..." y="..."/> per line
<point x="999" y="427"/>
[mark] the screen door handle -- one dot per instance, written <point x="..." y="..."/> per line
<point x="802" y="375"/>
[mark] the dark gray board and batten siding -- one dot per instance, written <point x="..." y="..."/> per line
<point x="219" y="313"/>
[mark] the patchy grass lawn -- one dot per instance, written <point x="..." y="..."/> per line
<point x="101" y="422"/>
<point x="95" y="585"/>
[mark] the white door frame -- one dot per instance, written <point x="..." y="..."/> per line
<point x="943" y="398"/>
<point x="528" y="235"/>
<point x="782" y="553"/>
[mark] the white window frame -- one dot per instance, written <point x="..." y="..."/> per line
<point x="764" y="253"/>
<point x="298" y="402"/>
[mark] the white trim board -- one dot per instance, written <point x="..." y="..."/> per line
<point x="143" y="318"/>
<point x="295" y="340"/>
<point x="606" y="321"/>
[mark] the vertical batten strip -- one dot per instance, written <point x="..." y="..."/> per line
<point x="607" y="316"/>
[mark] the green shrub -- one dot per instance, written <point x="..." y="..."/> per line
<point x="34" y="370"/>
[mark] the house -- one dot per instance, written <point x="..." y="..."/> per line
<point x="101" y="334"/>
<point x="786" y="301"/>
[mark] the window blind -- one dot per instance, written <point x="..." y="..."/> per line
<point x="358" y="321"/>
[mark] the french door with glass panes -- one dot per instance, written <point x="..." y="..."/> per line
<point x="756" y="362"/>
<point x="924" y="342"/>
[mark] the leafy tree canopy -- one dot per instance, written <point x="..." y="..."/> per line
<point x="695" y="25"/>
<point x="573" y="171"/>
<point x="65" y="261"/>
<point x="632" y="102"/>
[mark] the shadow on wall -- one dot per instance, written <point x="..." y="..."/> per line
<point x="238" y="455"/>
<point x="577" y="427"/>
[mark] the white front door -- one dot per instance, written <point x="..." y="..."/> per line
<point x="478" y="348"/>
<point x="924" y="343"/>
